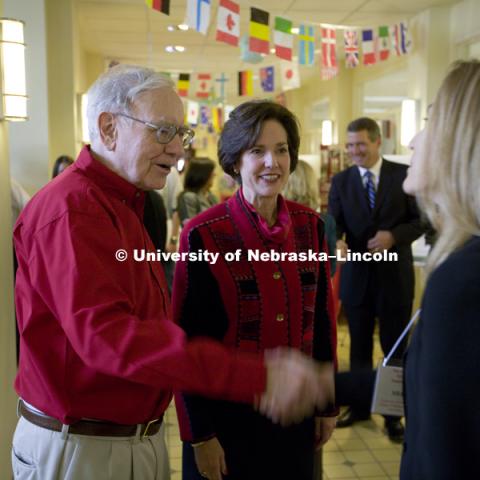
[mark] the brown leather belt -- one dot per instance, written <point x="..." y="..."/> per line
<point x="89" y="427"/>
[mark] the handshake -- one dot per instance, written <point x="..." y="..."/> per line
<point x="296" y="386"/>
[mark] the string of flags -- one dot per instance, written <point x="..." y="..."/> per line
<point x="367" y="46"/>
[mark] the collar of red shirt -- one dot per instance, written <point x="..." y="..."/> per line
<point x="278" y="232"/>
<point x="111" y="181"/>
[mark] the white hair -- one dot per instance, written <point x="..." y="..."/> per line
<point x="116" y="89"/>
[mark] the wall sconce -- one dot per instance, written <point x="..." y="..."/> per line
<point x="12" y="58"/>
<point x="327" y="132"/>
<point x="408" y="121"/>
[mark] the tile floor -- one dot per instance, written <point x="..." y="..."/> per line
<point x="359" y="452"/>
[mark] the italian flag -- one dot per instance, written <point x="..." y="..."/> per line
<point x="283" y="38"/>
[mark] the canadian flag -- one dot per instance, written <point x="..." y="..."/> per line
<point x="228" y="22"/>
<point x="290" y="75"/>
<point x="204" y="85"/>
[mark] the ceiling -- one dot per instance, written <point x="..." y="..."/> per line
<point x="129" y="32"/>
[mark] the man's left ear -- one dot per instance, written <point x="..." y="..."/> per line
<point x="107" y="126"/>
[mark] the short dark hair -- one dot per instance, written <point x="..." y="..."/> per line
<point x="197" y="174"/>
<point x="62" y="159"/>
<point x="368" y="124"/>
<point x="243" y="128"/>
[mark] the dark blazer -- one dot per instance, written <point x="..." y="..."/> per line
<point x="442" y="379"/>
<point x="394" y="211"/>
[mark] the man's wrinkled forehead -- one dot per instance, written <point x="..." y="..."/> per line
<point x="161" y="105"/>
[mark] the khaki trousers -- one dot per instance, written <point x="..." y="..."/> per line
<point x="41" y="454"/>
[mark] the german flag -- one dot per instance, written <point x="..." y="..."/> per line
<point x="245" y="83"/>
<point x="183" y="84"/>
<point x="159" y="5"/>
<point x="259" y="31"/>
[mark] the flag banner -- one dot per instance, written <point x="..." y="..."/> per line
<point x="183" y="84"/>
<point x="228" y="22"/>
<point x="245" y="83"/>
<point x="198" y="15"/>
<point x="329" y="67"/>
<point x="401" y="41"/>
<point x="351" y="48"/>
<point x="267" y="79"/>
<point x="306" y="45"/>
<point x="192" y="112"/>
<point x="204" y="114"/>
<point x="220" y="84"/>
<point x="283" y="38"/>
<point x="368" y="48"/>
<point x="217" y="119"/>
<point x="290" y="75"/>
<point x="159" y="5"/>
<point x="227" y="110"/>
<point x="204" y="85"/>
<point x="259" y="31"/>
<point x="383" y="43"/>
<point x="329" y="45"/>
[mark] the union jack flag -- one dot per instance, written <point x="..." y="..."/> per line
<point x="351" y="48"/>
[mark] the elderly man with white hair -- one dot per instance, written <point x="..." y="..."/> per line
<point x="99" y="352"/>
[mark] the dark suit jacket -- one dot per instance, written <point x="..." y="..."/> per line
<point x="394" y="211"/>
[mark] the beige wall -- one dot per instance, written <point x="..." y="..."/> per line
<point x="61" y="80"/>
<point x="7" y="318"/>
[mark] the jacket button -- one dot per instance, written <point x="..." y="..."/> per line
<point x="277" y="275"/>
<point x="280" y="317"/>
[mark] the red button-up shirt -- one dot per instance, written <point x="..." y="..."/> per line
<point x="97" y="340"/>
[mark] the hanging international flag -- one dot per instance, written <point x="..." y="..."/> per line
<point x="204" y="85"/>
<point x="383" y="43"/>
<point x="245" y="83"/>
<point x="217" y="119"/>
<point x="259" y="31"/>
<point x="401" y="41"/>
<point x="351" y="48"/>
<point x="159" y="5"/>
<point x="204" y="114"/>
<point x="267" y="79"/>
<point x="183" y="84"/>
<point x="228" y="22"/>
<point x="283" y="38"/>
<point x="329" y="53"/>
<point x="306" y="45"/>
<point x="192" y="112"/>
<point x="290" y="75"/>
<point x="368" y="48"/>
<point x="198" y="15"/>
<point x="227" y="110"/>
<point x="220" y="86"/>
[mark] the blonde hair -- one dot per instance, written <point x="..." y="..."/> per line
<point x="451" y="163"/>
<point x="302" y="186"/>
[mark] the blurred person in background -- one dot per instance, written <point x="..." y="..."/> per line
<point x="196" y="196"/>
<point x="61" y="163"/>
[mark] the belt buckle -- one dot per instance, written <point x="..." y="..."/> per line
<point x="151" y="422"/>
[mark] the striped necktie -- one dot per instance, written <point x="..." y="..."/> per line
<point x="370" y="188"/>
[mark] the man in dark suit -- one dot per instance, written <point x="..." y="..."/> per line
<point x="373" y="214"/>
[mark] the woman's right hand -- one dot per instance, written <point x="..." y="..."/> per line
<point x="210" y="459"/>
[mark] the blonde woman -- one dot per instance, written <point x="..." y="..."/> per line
<point x="442" y="385"/>
<point x="303" y="188"/>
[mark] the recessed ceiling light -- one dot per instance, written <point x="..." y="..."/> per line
<point x="171" y="28"/>
<point x="182" y="26"/>
<point x="174" y="48"/>
<point x="272" y="50"/>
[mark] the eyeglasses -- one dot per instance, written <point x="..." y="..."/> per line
<point x="165" y="132"/>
